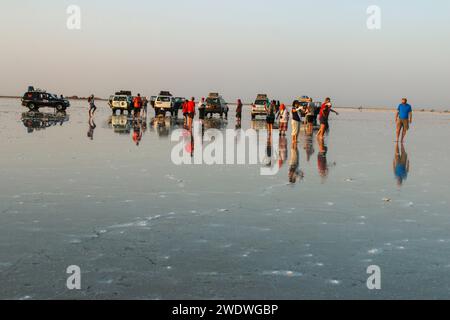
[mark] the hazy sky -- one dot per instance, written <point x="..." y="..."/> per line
<point x="285" y="48"/>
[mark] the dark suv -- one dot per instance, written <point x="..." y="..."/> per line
<point x="216" y="104"/>
<point x="35" y="99"/>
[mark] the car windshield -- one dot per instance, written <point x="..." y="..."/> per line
<point x="120" y="98"/>
<point x="260" y="102"/>
<point x="164" y="99"/>
<point x="212" y="101"/>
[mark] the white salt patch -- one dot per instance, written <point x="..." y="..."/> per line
<point x="335" y="282"/>
<point x="374" y="251"/>
<point x="282" y="273"/>
<point x="109" y="281"/>
<point x="319" y="264"/>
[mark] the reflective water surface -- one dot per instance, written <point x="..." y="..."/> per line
<point x="103" y="194"/>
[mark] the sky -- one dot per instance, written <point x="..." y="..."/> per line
<point x="285" y="48"/>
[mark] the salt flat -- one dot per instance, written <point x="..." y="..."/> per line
<point x="141" y="227"/>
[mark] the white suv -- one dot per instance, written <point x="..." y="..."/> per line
<point x="163" y="103"/>
<point x="259" y="107"/>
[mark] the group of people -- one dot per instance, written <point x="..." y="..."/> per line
<point x="305" y="113"/>
<point x="188" y="109"/>
<point x="140" y="104"/>
<point x="276" y="111"/>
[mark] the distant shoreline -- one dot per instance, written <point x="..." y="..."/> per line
<point x="246" y="104"/>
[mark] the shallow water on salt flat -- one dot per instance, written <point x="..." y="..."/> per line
<point x="141" y="227"/>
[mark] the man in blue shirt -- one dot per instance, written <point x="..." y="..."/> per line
<point x="403" y="119"/>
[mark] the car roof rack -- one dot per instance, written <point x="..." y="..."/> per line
<point x="123" y="93"/>
<point x="165" y="93"/>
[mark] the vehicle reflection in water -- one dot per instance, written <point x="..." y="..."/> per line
<point x="163" y="126"/>
<point x="259" y="125"/>
<point x="214" y="123"/>
<point x="208" y="127"/>
<point x="121" y="124"/>
<point x="401" y="164"/>
<point x="35" y="121"/>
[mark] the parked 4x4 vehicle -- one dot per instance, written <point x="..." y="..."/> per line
<point x="163" y="103"/>
<point x="122" y="100"/>
<point x="215" y="104"/>
<point x="259" y="107"/>
<point x="35" y="99"/>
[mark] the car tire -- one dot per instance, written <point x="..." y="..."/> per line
<point x="157" y="112"/>
<point x="253" y="117"/>
<point x="59" y="107"/>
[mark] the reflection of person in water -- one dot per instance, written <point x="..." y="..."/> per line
<point x="282" y="151"/>
<point x="188" y="138"/>
<point x="294" y="172"/>
<point x="268" y="159"/>
<point x="309" y="147"/>
<point x="92" y="127"/>
<point x="137" y="132"/>
<point x="322" y="162"/>
<point x="401" y="164"/>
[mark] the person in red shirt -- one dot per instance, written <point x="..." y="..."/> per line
<point x="191" y="112"/>
<point x="185" y="112"/>
<point x="137" y="103"/>
<point x="323" y="117"/>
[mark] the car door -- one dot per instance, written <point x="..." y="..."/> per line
<point x="45" y="100"/>
<point x="39" y="98"/>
